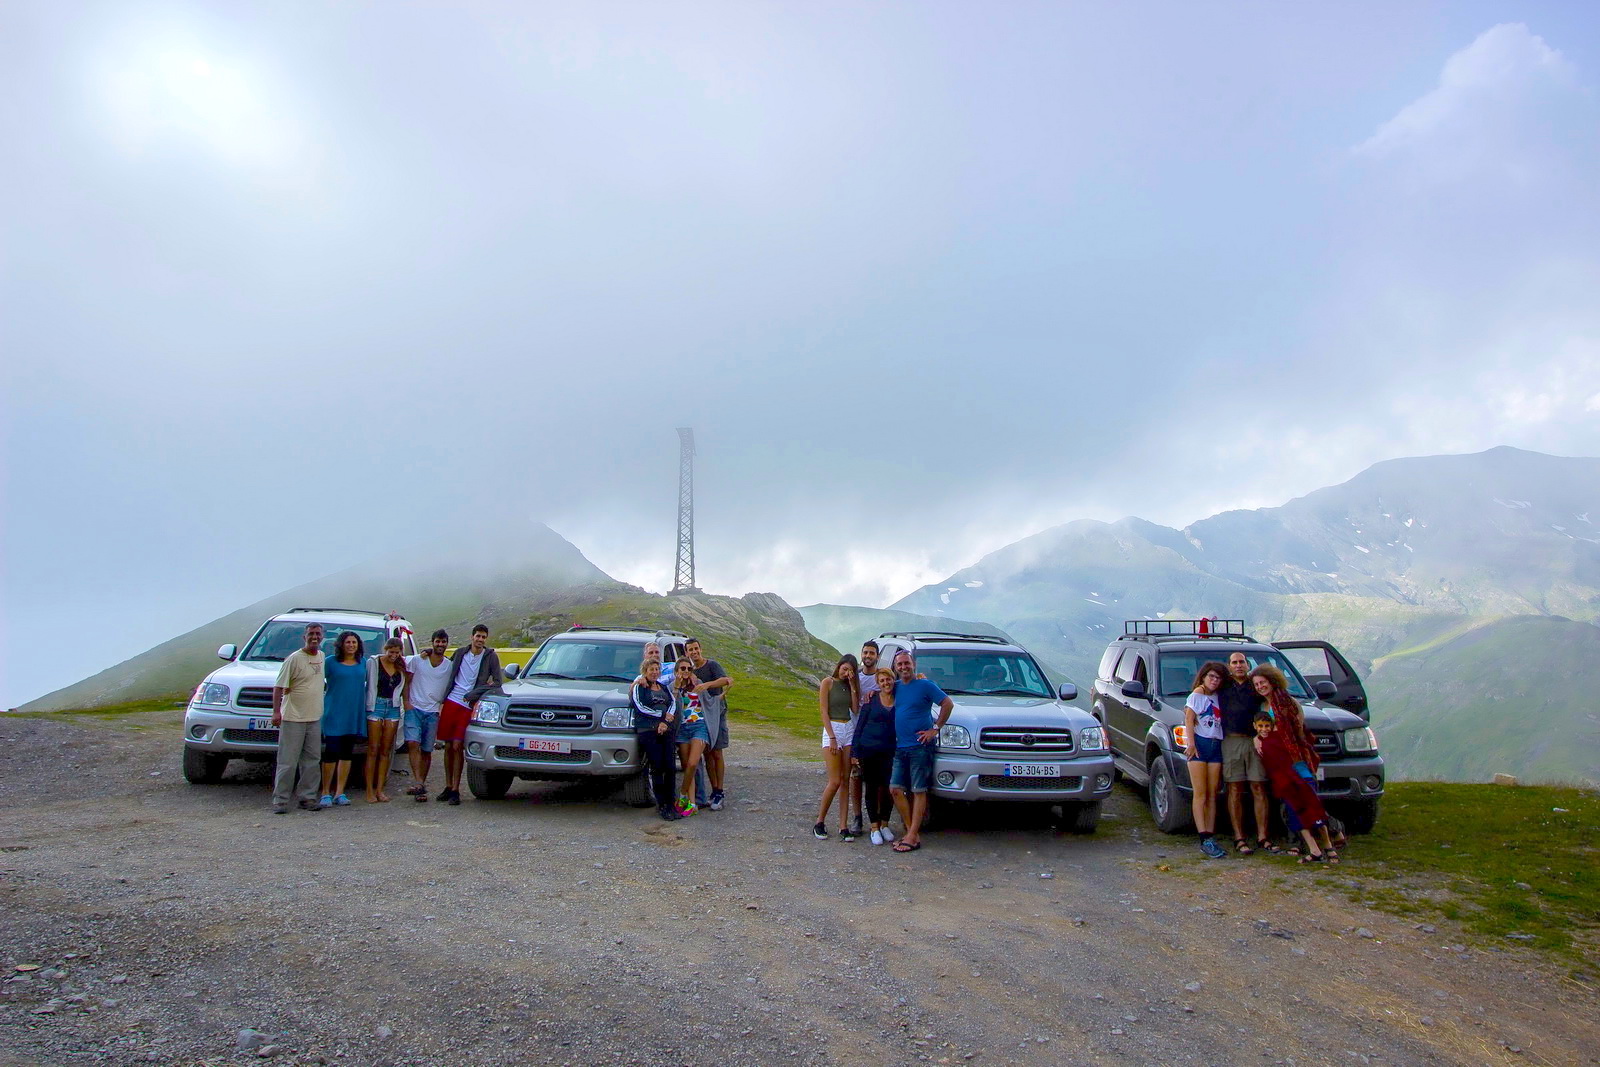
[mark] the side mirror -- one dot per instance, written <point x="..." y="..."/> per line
<point x="1325" y="690"/>
<point x="511" y="671"/>
<point x="1068" y="691"/>
<point x="1133" y="690"/>
<point x="227" y="652"/>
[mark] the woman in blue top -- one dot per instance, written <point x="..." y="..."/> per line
<point x="1202" y="721"/>
<point x="344" y="715"/>
<point x="654" y="715"/>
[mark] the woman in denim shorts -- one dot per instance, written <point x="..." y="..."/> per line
<point x="693" y="734"/>
<point x="1202" y="722"/>
<point x="386" y="689"/>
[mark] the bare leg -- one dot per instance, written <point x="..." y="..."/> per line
<point x="714" y="765"/>
<point x="1259" y="791"/>
<point x="902" y="805"/>
<point x="327" y="779"/>
<point x="696" y="748"/>
<point x="373" y="727"/>
<point x="421" y="762"/>
<point x="455" y="756"/>
<point x="919" y="811"/>
<point x="1204" y="784"/>
<point x="343" y="775"/>
<point x="1236" y="810"/>
<point x="832" y="757"/>
<point x="385" y="758"/>
<point x="855" y="792"/>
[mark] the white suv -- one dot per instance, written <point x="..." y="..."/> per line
<point x="230" y="713"/>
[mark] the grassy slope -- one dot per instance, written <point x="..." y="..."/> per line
<point x="1516" y="696"/>
<point x="1501" y="860"/>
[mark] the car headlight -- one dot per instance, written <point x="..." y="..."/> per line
<point x="1092" y="739"/>
<point x="210" y="693"/>
<point x="1360" y="739"/>
<point x="1180" y="736"/>
<point x="486" y="713"/>
<point x="953" y="736"/>
<point x="616" y="718"/>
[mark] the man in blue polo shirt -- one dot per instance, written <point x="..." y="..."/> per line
<point x="916" y="735"/>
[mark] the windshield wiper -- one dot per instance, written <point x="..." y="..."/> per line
<point x="549" y="674"/>
<point x="605" y="678"/>
<point x="1013" y="692"/>
<point x="265" y="659"/>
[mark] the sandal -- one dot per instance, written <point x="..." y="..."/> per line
<point x="1269" y="847"/>
<point x="1242" y="847"/>
<point x="1330" y="856"/>
<point x="1312" y="857"/>
<point x="906" y="846"/>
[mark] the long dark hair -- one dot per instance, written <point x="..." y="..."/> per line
<point x="1279" y="699"/>
<point x="338" y="647"/>
<point x="1210" y="667"/>
<point x="855" y="677"/>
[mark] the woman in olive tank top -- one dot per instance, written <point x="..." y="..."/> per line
<point x="838" y="697"/>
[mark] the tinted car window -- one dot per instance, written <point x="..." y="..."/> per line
<point x="280" y="637"/>
<point x="1131" y="668"/>
<point x="972" y="671"/>
<point x="1107" y="662"/>
<point x="1178" y="669"/>
<point x="579" y="659"/>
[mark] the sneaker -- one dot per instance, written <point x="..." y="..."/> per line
<point x="888" y="835"/>
<point x="855" y="825"/>
<point x="820" y="831"/>
<point x="877" y="837"/>
<point x="1212" y="849"/>
<point x="342" y="801"/>
<point x="716" y="801"/>
<point x="684" y="808"/>
<point x="847" y="834"/>
<point x="667" y="814"/>
<point x="455" y="798"/>
<point x="310" y="805"/>
<point x="280" y="809"/>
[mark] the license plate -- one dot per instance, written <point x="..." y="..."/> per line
<point x="539" y="744"/>
<point x="262" y="724"/>
<point x="1033" y="770"/>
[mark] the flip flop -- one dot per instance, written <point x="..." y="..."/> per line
<point x="904" y="846"/>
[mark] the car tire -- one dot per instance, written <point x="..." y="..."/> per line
<point x="1359" y="816"/>
<point x="488" y="785"/>
<point x="636" y="791"/>
<point x="1171" y="814"/>
<point x="203" y="768"/>
<point x="1080" y="817"/>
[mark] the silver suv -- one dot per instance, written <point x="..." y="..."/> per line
<point x="230" y="713"/>
<point x="1010" y="738"/>
<point x="566" y="716"/>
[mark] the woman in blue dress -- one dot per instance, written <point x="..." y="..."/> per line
<point x="344" y="715"/>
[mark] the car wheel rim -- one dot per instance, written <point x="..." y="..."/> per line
<point x="1158" y="790"/>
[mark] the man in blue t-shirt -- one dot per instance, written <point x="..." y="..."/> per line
<point x="916" y="735"/>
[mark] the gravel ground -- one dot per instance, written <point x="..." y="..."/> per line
<point x="165" y="920"/>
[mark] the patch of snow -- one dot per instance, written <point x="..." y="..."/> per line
<point x="1387" y="515"/>
<point x="1558" y="529"/>
<point x="1408" y="548"/>
<point x="974" y="585"/>
<point x="1093" y="593"/>
<point x="1409" y="522"/>
<point x="1358" y="548"/>
<point x="952" y="589"/>
<point x="1096" y="603"/>
<point x="1512" y="504"/>
<point x="944" y="598"/>
<point x="1585" y="518"/>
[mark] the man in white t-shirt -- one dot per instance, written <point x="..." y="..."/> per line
<point x="429" y="684"/>
<point x="474" y="670"/>
<point x="297" y="713"/>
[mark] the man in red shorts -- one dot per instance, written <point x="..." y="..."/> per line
<point x="474" y="670"/>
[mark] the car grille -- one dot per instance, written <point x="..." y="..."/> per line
<point x="1000" y="781"/>
<point x="254" y="697"/>
<point x="1029" y="739"/>
<point x="1327" y="744"/>
<point x="549" y="717"/>
<point x="506" y="752"/>
<point x="251" y="737"/>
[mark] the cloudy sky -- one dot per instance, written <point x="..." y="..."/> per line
<point x="283" y="285"/>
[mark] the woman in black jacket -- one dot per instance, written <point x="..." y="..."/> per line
<point x="653" y="725"/>
<point x="873" y="753"/>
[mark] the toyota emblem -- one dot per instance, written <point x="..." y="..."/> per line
<point x="1027" y="740"/>
<point x="547" y="715"/>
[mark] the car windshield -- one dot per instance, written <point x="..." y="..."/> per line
<point x="587" y="660"/>
<point x="968" y="672"/>
<point x="1179" y="668"/>
<point x="282" y="636"/>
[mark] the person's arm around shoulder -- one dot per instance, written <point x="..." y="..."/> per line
<point x="405" y="697"/>
<point x="1191" y="724"/>
<point x="719" y="681"/>
<point x="372" y="684"/>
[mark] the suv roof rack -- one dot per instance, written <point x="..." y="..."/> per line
<point x="945" y="635"/>
<point x="344" y="611"/>
<point x="1185" y="629"/>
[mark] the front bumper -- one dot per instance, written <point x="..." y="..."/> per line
<point x="959" y="776"/>
<point x="603" y="754"/>
<point x="223" y="732"/>
<point x="1352" y="778"/>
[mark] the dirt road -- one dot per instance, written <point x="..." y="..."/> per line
<point x="554" y="927"/>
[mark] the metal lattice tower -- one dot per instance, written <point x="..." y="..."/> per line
<point x="683" y="574"/>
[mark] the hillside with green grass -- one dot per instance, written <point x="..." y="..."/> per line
<point x="523" y="587"/>
<point x="1515" y="696"/>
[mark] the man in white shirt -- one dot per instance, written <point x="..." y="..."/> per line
<point x="425" y="693"/>
<point x="474" y="670"/>
<point x="297" y="713"/>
